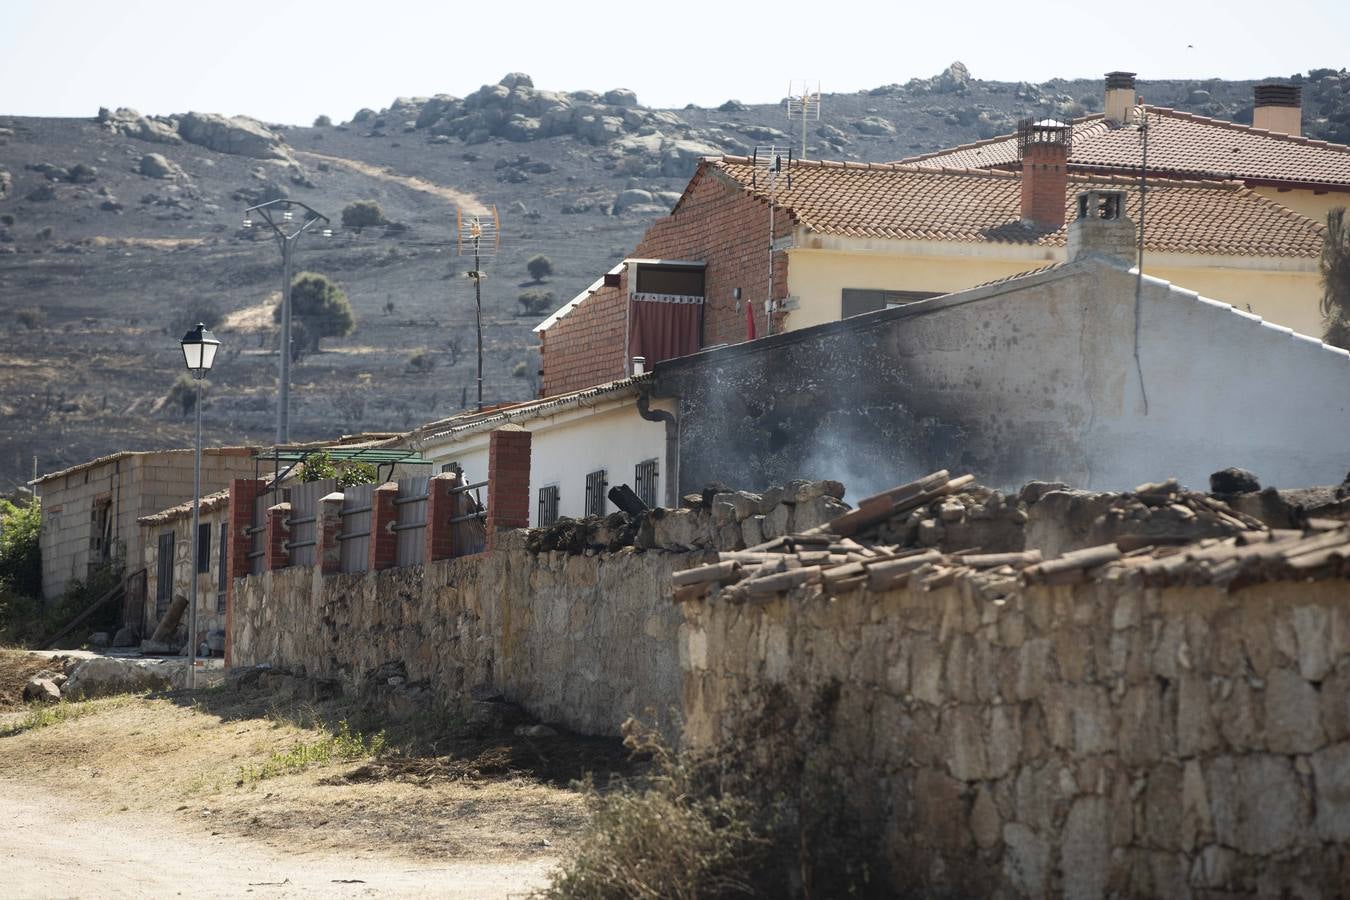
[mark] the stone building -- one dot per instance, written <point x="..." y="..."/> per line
<point x="90" y="511"/>
<point x="166" y="553"/>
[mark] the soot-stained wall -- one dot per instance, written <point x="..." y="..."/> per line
<point x="1031" y="379"/>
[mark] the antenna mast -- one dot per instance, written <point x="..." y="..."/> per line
<point x="771" y="165"/>
<point x="479" y="233"/>
<point x="803" y="104"/>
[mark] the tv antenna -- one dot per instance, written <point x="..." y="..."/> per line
<point x="772" y="166"/>
<point x="803" y="104"/>
<point x="1139" y="120"/>
<point x="479" y="233"/>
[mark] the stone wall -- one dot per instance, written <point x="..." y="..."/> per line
<point x="581" y="640"/>
<point x="1083" y="741"/>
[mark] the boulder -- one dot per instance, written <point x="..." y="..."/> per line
<point x="631" y="198"/>
<point x="955" y="79"/>
<point x="42" y="193"/>
<point x="132" y="124"/>
<point x="237" y="135"/>
<point x="874" y="125"/>
<point x="621" y="97"/>
<point x="103" y="676"/>
<point x="41" y="690"/>
<point x="1234" y="481"/>
<point x="732" y="106"/>
<point x="514" y="80"/>
<point x="155" y="165"/>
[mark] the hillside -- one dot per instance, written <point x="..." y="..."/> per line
<point x="107" y="253"/>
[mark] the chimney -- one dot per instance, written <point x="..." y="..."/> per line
<point x="1044" y="149"/>
<point x="1119" y="96"/>
<point x="1101" y="228"/>
<point x="1279" y="108"/>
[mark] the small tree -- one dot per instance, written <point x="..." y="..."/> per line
<point x="1335" y="267"/>
<point x="321" y="306"/>
<point x="30" y="317"/>
<point x="533" y="303"/>
<point x="183" y="393"/>
<point x="363" y="214"/>
<point x="20" y="557"/>
<point x="323" y="122"/>
<point x="539" y="267"/>
<point x="348" y="473"/>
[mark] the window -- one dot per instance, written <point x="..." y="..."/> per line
<point x="100" y="533"/>
<point x="204" y="547"/>
<point x="595" y="493"/>
<point x="644" y="476"/>
<point x="857" y="301"/>
<point x="674" y="280"/>
<point x="164" y="574"/>
<point x="223" y="568"/>
<point x="548" y="505"/>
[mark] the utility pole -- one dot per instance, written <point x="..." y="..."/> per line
<point x="482" y="231"/>
<point x="287" y="235"/>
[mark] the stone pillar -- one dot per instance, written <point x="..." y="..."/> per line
<point x="243" y="491"/>
<point x="328" y="553"/>
<point x="278" y="533"/>
<point x="383" y="515"/>
<point x="441" y="508"/>
<point x="508" y="503"/>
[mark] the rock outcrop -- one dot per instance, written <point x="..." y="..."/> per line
<point x="237" y="135"/>
<point x="130" y="123"/>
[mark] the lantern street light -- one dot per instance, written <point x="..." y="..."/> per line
<point x="199" y="352"/>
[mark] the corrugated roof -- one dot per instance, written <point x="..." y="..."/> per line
<point x="1180" y="144"/>
<point x="893" y="201"/>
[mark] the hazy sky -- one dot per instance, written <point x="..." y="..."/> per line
<point x="287" y="60"/>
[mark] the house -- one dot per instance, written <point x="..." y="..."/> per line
<point x="90" y="511"/>
<point x="853" y="238"/>
<point x="166" y="541"/>
<point x="582" y="443"/>
<point x="1082" y="371"/>
<point x="1269" y="156"/>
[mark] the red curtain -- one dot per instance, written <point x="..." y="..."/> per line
<point x="661" y="329"/>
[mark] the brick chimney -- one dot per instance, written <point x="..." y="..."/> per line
<point x="1119" y="96"/>
<point x="1279" y="107"/>
<point x="1101" y="228"/>
<point x="1044" y="149"/>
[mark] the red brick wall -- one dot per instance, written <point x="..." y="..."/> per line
<point x="718" y="224"/>
<point x="243" y="491"/>
<point x="508" y="480"/>
<point x="383" y="539"/>
<point x="1045" y="178"/>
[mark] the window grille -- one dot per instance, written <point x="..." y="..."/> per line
<point x="595" y="493"/>
<point x="644" y="476"/>
<point x="548" y="505"/>
<point x="204" y="547"/>
<point x="164" y="574"/>
<point x="222" y="568"/>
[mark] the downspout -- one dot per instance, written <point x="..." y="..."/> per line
<point x="672" y="443"/>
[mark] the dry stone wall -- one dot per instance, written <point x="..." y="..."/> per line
<point x="1081" y="741"/>
<point x="581" y="640"/>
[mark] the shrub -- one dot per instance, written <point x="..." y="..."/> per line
<point x="421" y="361"/>
<point x="200" y="310"/>
<point x="323" y="309"/>
<point x="30" y="317"/>
<point x="534" y="302"/>
<point x="347" y="473"/>
<point x="81" y="173"/>
<point x="183" y="393"/>
<point x="539" y="267"/>
<point x="363" y="214"/>
<point x="323" y="122"/>
<point x="45" y="233"/>
<point x="7" y="219"/>
<point x="20" y="556"/>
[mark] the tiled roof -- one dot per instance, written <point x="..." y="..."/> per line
<point x="1180" y="144"/>
<point x="902" y="202"/>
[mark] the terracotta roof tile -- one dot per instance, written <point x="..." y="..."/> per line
<point x="903" y="202"/>
<point x="1180" y="144"/>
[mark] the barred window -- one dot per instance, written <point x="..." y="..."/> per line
<point x="644" y="476"/>
<point x="595" y="493"/>
<point x="548" y="505"/>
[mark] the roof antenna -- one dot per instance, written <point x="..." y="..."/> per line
<point x="479" y="233"/>
<point x="803" y="104"/>
<point x="771" y="165"/>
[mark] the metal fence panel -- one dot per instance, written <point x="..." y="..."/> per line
<point x="410" y="508"/>
<point x="355" y="534"/>
<point x="258" y="546"/>
<point x="305" y="499"/>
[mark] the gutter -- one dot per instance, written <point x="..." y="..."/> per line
<point x="672" y="442"/>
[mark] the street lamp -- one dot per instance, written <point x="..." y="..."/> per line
<point x="277" y="215"/>
<point x="199" y="352"/>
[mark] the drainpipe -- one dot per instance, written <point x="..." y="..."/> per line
<point x="672" y="443"/>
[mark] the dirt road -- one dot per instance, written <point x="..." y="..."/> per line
<point x="57" y="847"/>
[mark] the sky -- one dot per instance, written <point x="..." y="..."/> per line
<point x="288" y="61"/>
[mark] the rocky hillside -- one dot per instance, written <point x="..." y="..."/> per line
<point x="120" y="230"/>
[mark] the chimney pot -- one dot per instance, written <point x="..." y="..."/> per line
<point x="1102" y="227"/>
<point x="1119" y="96"/>
<point x="1044" y="148"/>
<point x="1278" y="107"/>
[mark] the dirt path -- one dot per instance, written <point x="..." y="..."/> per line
<point x="468" y="201"/>
<point x="57" y="847"/>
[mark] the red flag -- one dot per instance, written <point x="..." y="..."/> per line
<point x="749" y="321"/>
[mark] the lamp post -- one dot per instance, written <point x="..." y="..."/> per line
<point x="199" y="352"/>
<point x="277" y="215"/>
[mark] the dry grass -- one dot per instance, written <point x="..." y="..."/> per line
<point x="16" y="667"/>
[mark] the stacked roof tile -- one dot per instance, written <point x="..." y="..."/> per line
<point x="1182" y="145"/>
<point x="897" y="201"/>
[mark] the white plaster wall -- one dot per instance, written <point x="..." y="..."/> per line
<point x="565" y="447"/>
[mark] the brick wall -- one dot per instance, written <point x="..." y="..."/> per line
<point x="719" y="224"/>
<point x="508" y="480"/>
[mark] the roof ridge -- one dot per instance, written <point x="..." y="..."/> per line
<point x="1249" y="129"/>
<point x="1227" y="184"/>
<point x="984" y="142"/>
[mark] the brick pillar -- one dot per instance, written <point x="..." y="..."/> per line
<point x="1045" y="174"/>
<point x="508" y="503"/>
<point x="328" y="555"/>
<point x="383" y="515"/>
<point x="278" y="533"/>
<point x="243" y="491"/>
<point x="441" y="508"/>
